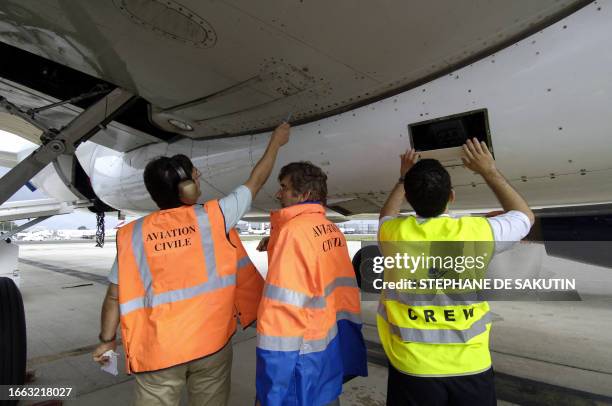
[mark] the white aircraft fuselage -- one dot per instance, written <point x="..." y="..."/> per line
<point x="547" y="98"/>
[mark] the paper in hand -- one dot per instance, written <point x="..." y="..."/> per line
<point x="111" y="365"/>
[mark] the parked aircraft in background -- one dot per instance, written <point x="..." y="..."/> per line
<point x="33" y="236"/>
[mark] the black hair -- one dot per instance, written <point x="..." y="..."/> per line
<point x="306" y="177"/>
<point x="428" y="187"/>
<point x="161" y="179"/>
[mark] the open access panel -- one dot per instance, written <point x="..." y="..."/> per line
<point x="442" y="138"/>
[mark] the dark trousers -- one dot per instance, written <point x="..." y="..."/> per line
<point x="468" y="390"/>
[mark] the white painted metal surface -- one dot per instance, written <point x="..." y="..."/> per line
<point x="237" y="65"/>
<point x="8" y="159"/>
<point x="24" y="209"/>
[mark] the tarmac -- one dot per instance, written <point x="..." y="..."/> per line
<point x="544" y="352"/>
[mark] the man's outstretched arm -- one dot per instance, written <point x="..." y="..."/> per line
<point x="478" y="159"/>
<point x="395" y="199"/>
<point x="263" y="168"/>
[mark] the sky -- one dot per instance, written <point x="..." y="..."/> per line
<point x="13" y="143"/>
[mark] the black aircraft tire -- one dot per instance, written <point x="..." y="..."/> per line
<point x="362" y="265"/>
<point x="12" y="334"/>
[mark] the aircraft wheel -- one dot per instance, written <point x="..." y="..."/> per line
<point x="362" y="265"/>
<point x="12" y="334"/>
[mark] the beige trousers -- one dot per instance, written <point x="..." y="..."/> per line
<point x="208" y="382"/>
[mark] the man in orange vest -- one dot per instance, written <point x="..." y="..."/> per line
<point x="309" y="320"/>
<point x="182" y="278"/>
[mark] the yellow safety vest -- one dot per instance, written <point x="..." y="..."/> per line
<point x="430" y="332"/>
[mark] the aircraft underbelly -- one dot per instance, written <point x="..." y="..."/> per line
<point x="229" y="67"/>
<point x="547" y="99"/>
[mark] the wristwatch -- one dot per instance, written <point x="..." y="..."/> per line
<point x="106" y="341"/>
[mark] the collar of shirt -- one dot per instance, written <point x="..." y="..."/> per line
<point x="282" y="216"/>
<point x="421" y="220"/>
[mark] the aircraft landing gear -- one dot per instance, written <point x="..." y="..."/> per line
<point x="58" y="142"/>
<point x="12" y="334"/>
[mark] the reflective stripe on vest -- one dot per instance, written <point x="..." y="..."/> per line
<point x="299" y="299"/>
<point x="276" y="343"/>
<point x="437" y="336"/>
<point x="214" y="281"/>
<point x="350" y="316"/>
<point x="244" y="261"/>
<point x="273" y="343"/>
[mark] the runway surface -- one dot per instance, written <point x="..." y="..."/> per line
<point x="555" y="349"/>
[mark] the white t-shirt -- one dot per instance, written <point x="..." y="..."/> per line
<point x="233" y="206"/>
<point x="508" y="228"/>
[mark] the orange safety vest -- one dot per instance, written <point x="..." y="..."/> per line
<point x="309" y="320"/>
<point x="182" y="283"/>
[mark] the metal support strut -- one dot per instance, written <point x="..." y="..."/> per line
<point x="65" y="140"/>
